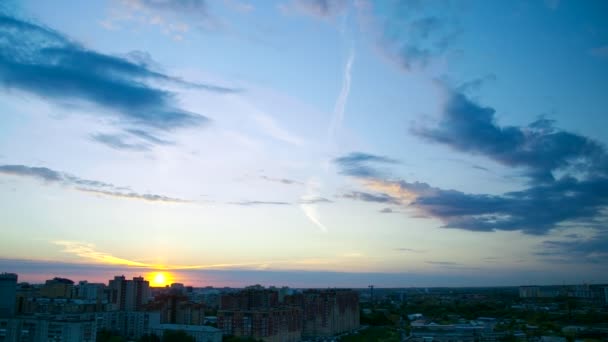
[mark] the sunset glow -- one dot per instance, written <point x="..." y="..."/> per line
<point x="160" y="279"/>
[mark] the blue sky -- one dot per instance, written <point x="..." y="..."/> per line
<point x="309" y="143"/>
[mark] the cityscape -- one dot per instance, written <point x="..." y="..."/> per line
<point x="304" y="170"/>
<point x="131" y="310"/>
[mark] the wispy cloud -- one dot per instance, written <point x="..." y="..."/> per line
<point x="88" y="252"/>
<point x="50" y="176"/>
<point x="134" y="195"/>
<point x="118" y="142"/>
<point x="286" y="181"/>
<point x="359" y="164"/>
<point x="271" y="127"/>
<point x="370" y="197"/>
<point x="254" y="203"/>
<point x="319" y="8"/>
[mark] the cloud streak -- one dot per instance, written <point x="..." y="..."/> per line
<point x="50" y="176"/>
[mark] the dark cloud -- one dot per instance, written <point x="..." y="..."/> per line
<point x="321" y="8"/>
<point x="593" y="249"/>
<point x="118" y="142"/>
<point x="46" y="63"/>
<point x="539" y="147"/>
<point x="253" y="203"/>
<point x="535" y="210"/>
<point x="443" y="263"/>
<point x="84" y="185"/>
<point x="369" y="197"/>
<point x="359" y="164"/>
<point x="281" y="180"/>
<point x="387" y="211"/>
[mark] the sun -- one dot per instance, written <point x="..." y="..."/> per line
<point x="160" y="279"/>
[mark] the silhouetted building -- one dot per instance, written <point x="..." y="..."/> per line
<point x="8" y="294"/>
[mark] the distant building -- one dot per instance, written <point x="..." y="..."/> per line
<point x="201" y="333"/>
<point x="86" y="290"/>
<point x="423" y="332"/>
<point x="529" y="291"/>
<point x="8" y="294"/>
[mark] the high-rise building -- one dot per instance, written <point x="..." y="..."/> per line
<point x="129" y="295"/>
<point x="327" y="312"/>
<point x="8" y="294"/>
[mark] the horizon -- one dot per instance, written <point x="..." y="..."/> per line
<point x="332" y="143"/>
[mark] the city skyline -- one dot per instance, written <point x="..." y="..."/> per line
<point x="320" y="143"/>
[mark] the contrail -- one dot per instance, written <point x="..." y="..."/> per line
<point x="340" y="106"/>
<point x="310" y="209"/>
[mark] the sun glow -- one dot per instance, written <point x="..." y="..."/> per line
<point x="160" y="279"/>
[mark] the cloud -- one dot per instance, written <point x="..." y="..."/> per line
<point x="593" y="249"/>
<point x="281" y="180"/>
<point x="44" y="62"/>
<point x="404" y="249"/>
<point x="117" y="141"/>
<point x="476" y="84"/>
<point x="359" y="164"/>
<point x="469" y="127"/>
<point x="84" y="185"/>
<point x="443" y="263"/>
<point x="314" y="200"/>
<point x="134" y="195"/>
<point x="254" y="203"/>
<point x="369" y="197"/>
<point x="50" y="176"/>
<point x="320" y="8"/>
<point x="535" y="210"/>
<point x="567" y="175"/>
<point x="387" y="211"/>
<point x="411" y="34"/>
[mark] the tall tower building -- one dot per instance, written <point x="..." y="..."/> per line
<point x="8" y="294"/>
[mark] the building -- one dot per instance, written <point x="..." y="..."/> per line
<point x="201" y="333"/>
<point x="130" y="324"/>
<point x="35" y="329"/>
<point x="282" y="324"/>
<point x="57" y="288"/>
<point x="256" y="312"/>
<point x="86" y="290"/>
<point x="128" y="295"/>
<point x="327" y="312"/>
<point x="529" y="291"/>
<point x="8" y="294"/>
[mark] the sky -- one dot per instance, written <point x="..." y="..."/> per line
<point x="308" y="143"/>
